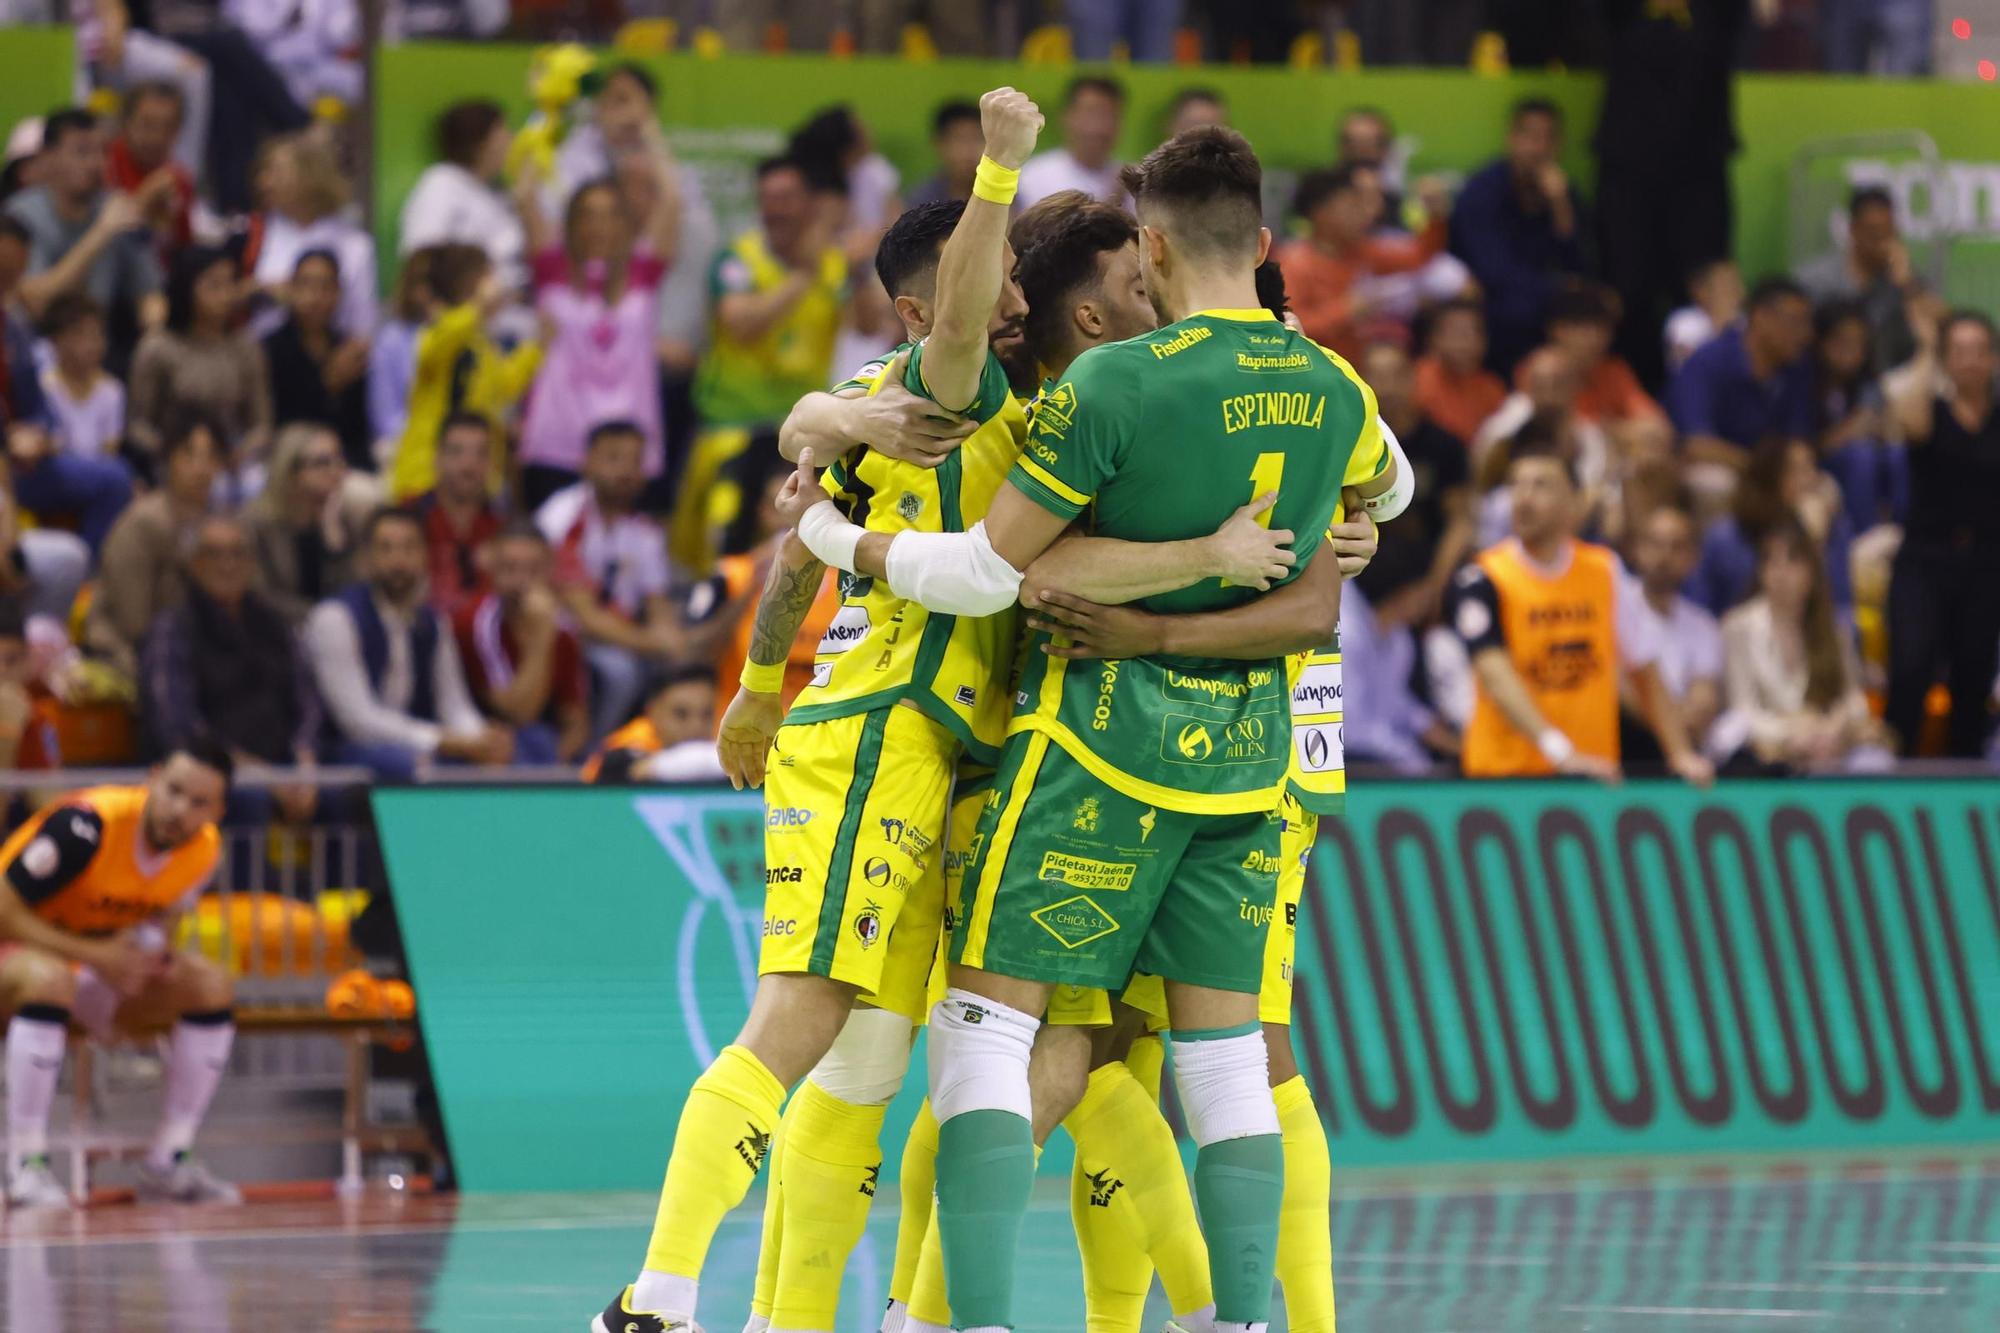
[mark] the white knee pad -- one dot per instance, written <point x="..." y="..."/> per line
<point x="866" y="1064"/>
<point x="1225" y="1088"/>
<point x="979" y="1056"/>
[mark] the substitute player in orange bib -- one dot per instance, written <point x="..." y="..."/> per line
<point x="91" y="885"/>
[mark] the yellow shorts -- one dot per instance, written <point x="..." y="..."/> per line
<point x="968" y="798"/>
<point x="1089" y="1006"/>
<point x="854" y="815"/>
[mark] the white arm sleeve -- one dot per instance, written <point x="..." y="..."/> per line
<point x="1402" y="490"/>
<point x="958" y="573"/>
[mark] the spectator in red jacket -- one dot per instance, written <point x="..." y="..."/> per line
<point x="459" y="515"/>
<point x="144" y="151"/>
<point x="523" y="666"/>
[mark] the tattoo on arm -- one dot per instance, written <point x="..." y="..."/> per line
<point x="788" y="595"/>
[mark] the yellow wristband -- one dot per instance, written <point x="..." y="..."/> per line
<point x="994" y="183"/>
<point x="763" y="677"/>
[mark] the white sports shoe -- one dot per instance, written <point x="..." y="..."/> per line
<point x="32" y="1185"/>
<point x="186" y="1181"/>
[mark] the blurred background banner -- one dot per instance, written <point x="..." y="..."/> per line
<point x="1502" y="971"/>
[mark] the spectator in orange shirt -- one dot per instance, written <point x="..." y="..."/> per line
<point x="1583" y="317"/>
<point x="1322" y="271"/>
<point x="1454" y="387"/>
<point x="672" y="741"/>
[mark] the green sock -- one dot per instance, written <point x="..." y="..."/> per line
<point x="1239" y="1190"/>
<point x="985" y="1171"/>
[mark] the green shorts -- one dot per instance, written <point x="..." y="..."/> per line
<point x="1077" y="883"/>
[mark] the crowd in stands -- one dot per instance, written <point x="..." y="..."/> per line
<point x="517" y="512"/>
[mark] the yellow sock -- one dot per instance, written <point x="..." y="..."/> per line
<point x="919" y="1179"/>
<point x="1305" y="1231"/>
<point x="833" y="1157"/>
<point x="725" y="1130"/>
<point x="774" y="1223"/>
<point x="1148" y="1063"/>
<point x="1117" y="1273"/>
<point x="1140" y="1187"/>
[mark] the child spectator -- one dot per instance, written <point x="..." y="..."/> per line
<point x="305" y="197"/>
<point x="1454" y="388"/>
<point x="672" y="741"/>
<point x="318" y="372"/>
<point x="1323" y="270"/>
<point x="597" y="292"/>
<point x="201" y="364"/>
<point x="145" y="554"/>
<point x="459" y="199"/>
<point x="85" y="405"/>
<point x="302" y="523"/>
<point x="392" y="358"/>
<point x="1851" y="419"/>
<point x="459" y="515"/>
<point x="458" y="368"/>
<point x="522" y="663"/>
<point x="1794" y="699"/>
<point x="1715" y="302"/>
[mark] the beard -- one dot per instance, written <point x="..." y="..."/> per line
<point x="1023" y="370"/>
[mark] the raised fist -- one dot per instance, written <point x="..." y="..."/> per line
<point x="1010" y="120"/>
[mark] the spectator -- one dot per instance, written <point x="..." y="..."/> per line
<point x="1851" y="419"/>
<point x="781" y="292"/>
<point x="28" y="740"/>
<point x="1749" y="382"/>
<point x="1665" y="135"/>
<point x="459" y="199"/>
<point x="388" y="669"/>
<point x="392" y="357"/>
<point x="957" y="142"/>
<point x="458" y="367"/>
<point x="83" y="237"/>
<point x="226" y="664"/>
<point x="611" y="572"/>
<point x="523" y="665"/>
<point x="1424" y="545"/>
<point x="1782" y="481"/>
<point x="114" y="54"/>
<point x="1367" y="138"/>
<point x="1944" y="594"/>
<point x="1887" y="37"/>
<point x="1549" y="621"/>
<point x="1873" y="267"/>
<point x="1322" y="270"/>
<point x="672" y="741"/>
<point x="597" y="291"/>
<point x="304" y="198"/>
<point x="85" y="404"/>
<point x="1715" y="302"/>
<point x="302" y="523"/>
<point x="1583" y="317"/>
<point x="1544" y="405"/>
<point x="20" y="384"/>
<point x="840" y="162"/>
<point x="317" y="373"/>
<point x="1385" y="721"/>
<point x="733" y="595"/>
<point x="310" y="46"/>
<point x="153" y="119"/>
<point x="1454" y="388"/>
<point x="1518" y="227"/>
<point x="145" y="554"/>
<point x="1193" y="108"/>
<point x="202" y="363"/>
<point x="1794" y="700"/>
<point x="1093" y="108"/>
<point x="1690" y="642"/>
<point x="459" y="515"/>
<point x="1147" y="27"/>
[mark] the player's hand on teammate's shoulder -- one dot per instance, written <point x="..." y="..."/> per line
<point x="1090" y="629"/>
<point x="1011" y="122"/>
<point x="748" y="726"/>
<point x="907" y="426"/>
<point x="1245" y="552"/>
<point x="800" y="492"/>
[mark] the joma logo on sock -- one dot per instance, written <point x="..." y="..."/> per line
<point x="752" y="1147"/>
<point x="1102" y="1186"/>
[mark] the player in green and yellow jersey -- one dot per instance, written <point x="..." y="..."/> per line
<point x="1150" y="784"/>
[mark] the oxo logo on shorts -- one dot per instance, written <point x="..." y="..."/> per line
<point x="1085" y="873"/>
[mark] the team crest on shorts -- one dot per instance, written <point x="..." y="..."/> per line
<point x="1086" y="816"/>
<point x="909" y="504"/>
<point x="868" y="925"/>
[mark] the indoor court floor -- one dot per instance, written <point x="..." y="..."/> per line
<point x="1904" y="1243"/>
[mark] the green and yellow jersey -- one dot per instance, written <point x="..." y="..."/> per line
<point x="1161" y="438"/>
<point x="756" y="382"/>
<point x="882" y="649"/>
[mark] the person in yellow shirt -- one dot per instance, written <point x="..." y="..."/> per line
<point x="87" y="887"/>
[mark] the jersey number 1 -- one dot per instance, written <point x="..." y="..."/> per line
<point x="1265" y="478"/>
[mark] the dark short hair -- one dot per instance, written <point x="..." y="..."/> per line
<point x="387" y="514"/>
<point x="67" y="311"/>
<point x="681" y="674"/>
<point x="323" y="255"/>
<point x="616" y="428"/>
<point x="1769" y="291"/>
<point x="183" y="427"/>
<point x="466" y="419"/>
<point x="1317" y="186"/>
<point x="521" y="530"/>
<point x="782" y="162"/>
<point x="1187" y="97"/>
<point x="1864" y="197"/>
<point x="1581" y="301"/>
<point x="1979" y="319"/>
<point x="1209" y="184"/>
<point x="154" y="88"/>
<point x="454" y="270"/>
<point x="1064" y="264"/>
<point x="1535" y="106"/>
<point x="464" y="128"/>
<point x="189" y="266"/>
<point x="1103" y="84"/>
<point x="1369" y="110"/>
<point x="639" y="74"/>
<point x="1271" y="288"/>
<point x="1840" y="310"/>
<point x="1043" y="216"/>
<point x="821" y="144"/>
<point x="58" y="123"/>
<point x="951" y="113"/>
<point x="1541" y="437"/>
<point x="204" y="748"/>
<point x="909" y="249"/>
